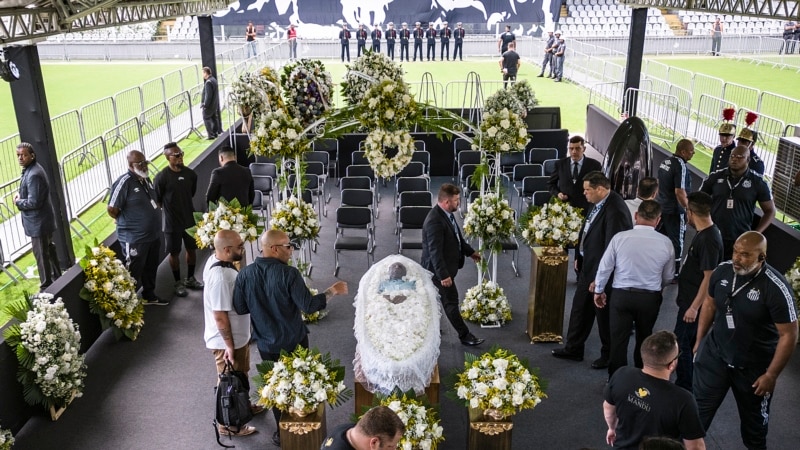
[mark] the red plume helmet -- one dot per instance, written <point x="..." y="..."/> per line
<point x="750" y="118"/>
<point x="728" y="114"/>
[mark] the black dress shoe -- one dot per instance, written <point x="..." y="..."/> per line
<point x="276" y="438"/>
<point x="471" y="340"/>
<point x="540" y="75"/>
<point x="560" y="353"/>
<point x="600" y="363"/>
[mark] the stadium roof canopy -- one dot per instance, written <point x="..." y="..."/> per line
<point x="768" y="9"/>
<point x="28" y="20"/>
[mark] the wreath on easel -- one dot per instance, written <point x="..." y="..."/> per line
<point x="375" y="146"/>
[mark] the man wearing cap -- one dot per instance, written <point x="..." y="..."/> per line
<point x="505" y="39"/>
<point x="748" y="137"/>
<point x="431" y="35"/>
<point x="361" y="40"/>
<point x="344" y="39"/>
<point x="722" y="152"/>
<point x="376" y="39"/>
<point x="549" y="49"/>
<point x="419" y="33"/>
<point x="405" y="35"/>
<point x="560" y="52"/>
<point x="391" y="36"/>
<point x="458" y="48"/>
<point x="444" y="37"/>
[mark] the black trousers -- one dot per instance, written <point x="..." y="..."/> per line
<point x="265" y="356"/>
<point x="213" y="124"/>
<point x="431" y="51"/>
<point x="376" y="46"/>
<point x="360" y="48"/>
<point x="346" y="50"/>
<point x="449" y="298"/>
<point x="445" y="52"/>
<point x="727" y="249"/>
<point x="457" y="50"/>
<point x="713" y="378"/>
<point x="581" y="320"/>
<point x="417" y="46"/>
<point x="508" y="78"/>
<point x="673" y="226"/>
<point x="629" y="308"/>
<point x="44" y="252"/>
<point x="687" y="334"/>
<point x="142" y="259"/>
<point x="403" y="50"/>
<point x="390" y="49"/>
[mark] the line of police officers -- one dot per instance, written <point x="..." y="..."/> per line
<point x="405" y="36"/>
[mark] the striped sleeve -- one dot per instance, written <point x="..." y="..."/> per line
<point x="780" y="299"/>
<point x="118" y="192"/>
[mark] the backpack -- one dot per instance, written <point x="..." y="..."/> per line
<point x="233" y="401"/>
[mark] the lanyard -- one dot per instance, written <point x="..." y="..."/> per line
<point x="731" y="188"/>
<point x="735" y="292"/>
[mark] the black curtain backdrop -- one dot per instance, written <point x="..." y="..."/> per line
<point x="371" y="12"/>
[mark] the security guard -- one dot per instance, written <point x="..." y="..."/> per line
<point x="458" y="48"/>
<point x="549" y="49"/>
<point x="419" y="33"/>
<point x="444" y="37"/>
<point x="505" y="39"/>
<point x="431" y="35"/>
<point x="405" y="35"/>
<point x="391" y="36"/>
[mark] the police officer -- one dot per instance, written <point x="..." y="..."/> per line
<point x="458" y="48"/>
<point x="549" y="49"/>
<point x="361" y="40"/>
<point x="391" y="36"/>
<point x="419" y="33"/>
<point x="444" y="37"/>
<point x="377" y="34"/>
<point x="431" y="35"/>
<point x="748" y="137"/>
<point x="344" y="39"/>
<point x="560" y="54"/>
<point x="405" y="35"/>
<point x="505" y="39"/>
<point x="722" y="152"/>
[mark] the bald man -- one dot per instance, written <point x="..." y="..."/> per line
<point x="746" y="334"/>
<point x="274" y="294"/>
<point x="133" y="206"/>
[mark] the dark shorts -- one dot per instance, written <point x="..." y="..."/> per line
<point x="174" y="240"/>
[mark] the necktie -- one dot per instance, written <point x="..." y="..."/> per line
<point x="588" y="224"/>
<point x="455" y="228"/>
<point x="574" y="172"/>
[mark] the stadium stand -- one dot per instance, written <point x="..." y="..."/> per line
<point x="607" y="18"/>
<point x="697" y="23"/>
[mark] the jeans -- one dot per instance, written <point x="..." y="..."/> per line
<point x="251" y="49"/>
<point x="686" y="333"/>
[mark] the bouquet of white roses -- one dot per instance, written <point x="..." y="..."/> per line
<point x="502" y="131"/>
<point x="308" y="88"/>
<point x="296" y="218"/>
<point x="555" y="224"/>
<point x="255" y="93"/>
<point x="486" y="303"/>
<point x="490" y="218"/>
<point x="111" y="292"/>
<point x="6" y="439"/>
<point x="315" y="316"/>
<point x="375" y="67"/>
<point x="47" y="344"/>
<point x="793" y="277"/>
<point x="375" y="144"/>
<point x="224" y="216"/>
<point x="301" y="381"/>
<point x="422" y="426"/>
<point x="522" y="90"/>
<point x="500" y="381"/>
<point x="388" y="105"/>
<point x="505" y="99"/>
<point x="278" y="134"/>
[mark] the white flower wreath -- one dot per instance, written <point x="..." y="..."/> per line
<point x="379" y="139"/>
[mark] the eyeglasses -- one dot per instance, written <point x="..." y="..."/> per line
<point x="284" y="246"/>
<point x="674" y="359"/>
<point x="142" y="163"/>
<point x="177" y="155"/>
<point x="738" y="156"/>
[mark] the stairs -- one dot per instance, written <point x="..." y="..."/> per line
<point x="674" y="22"/>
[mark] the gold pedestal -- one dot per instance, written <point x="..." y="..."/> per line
<point x="546" y="294"/>
<point x="365" y="398"/>
<point x="303" y="433"/>
<point x="488" y="431"/>
<point x="55" y="413"/>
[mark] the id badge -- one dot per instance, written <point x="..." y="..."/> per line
<point x="730" y="203"/>
<point x="153" y="202"/>
<point x="729" y="319"/>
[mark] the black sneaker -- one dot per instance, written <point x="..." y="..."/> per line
<point x="155" y="301"/>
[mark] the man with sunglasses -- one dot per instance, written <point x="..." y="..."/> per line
<point x="175" y="187"/>
<point x="274" y="293"/>
<point x="642" y="402"/>
<point x="134" y="207"/>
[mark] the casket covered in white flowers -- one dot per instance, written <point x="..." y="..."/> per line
<point x="396" y="327"/>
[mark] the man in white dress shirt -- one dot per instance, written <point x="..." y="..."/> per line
<point x="642" y="261"/>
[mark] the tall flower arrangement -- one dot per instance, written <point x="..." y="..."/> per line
<point x="376" y="66"/>
<point x="505" y="99"/>
<point x="388" y="105"/>
<point x="299" y="382"/>
<point x="502" y="131"/>
<point x="793" y="277"/>
<point x="277" y="133"/>
<point x="308" y="88"/>
<point x="111" y="292"/>
<point x="224" y="216"/>
<point x="522" y="90"/>
<point x="491" y="219"/>
<point x="555" y="224"/>
<point x="423" y="430"/>
<point x="47" y="344"/>
<point x="296" y="218"/>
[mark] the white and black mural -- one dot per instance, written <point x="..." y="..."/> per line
<point x="319" y="15"/>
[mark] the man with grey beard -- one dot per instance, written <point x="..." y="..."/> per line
<point x="133" y="206"/>
<point x="745" y="336"/>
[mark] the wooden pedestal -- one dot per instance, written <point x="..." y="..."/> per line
<point x="303" y="433"/>
<point x="546" y="294"/>
<point x="488" y="433"/>
<point x="365" y="398"/>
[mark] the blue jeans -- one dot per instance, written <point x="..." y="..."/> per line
<point x="686" y="333"/>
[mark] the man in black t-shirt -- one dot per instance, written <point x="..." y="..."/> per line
<point x="642" y="402"/>
<point x="509" y="64"/>
<point x="745" y="336"/>
<point x="175" y="187"/>
<point x="380" y="427"/>
<point x="703" y="256"/>
<point x="505" y="39"/>
<point x="674" y="182"/>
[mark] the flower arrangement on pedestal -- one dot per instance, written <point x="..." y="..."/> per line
<point x="522" y="90"/>
<point x="111" y="292"/>
<point x="388" y="105"/>
<point x="296" y="218"/>
<point x="375" y="146"/>
<point x="555" y="224"/>
<point x="278" y="134"/>
<point x="486" y="303"/>
<point x="375" y="66"/>
<point x="491" y="219"/>
<point x="47" y="345"/>
<point x="505" y="99"/>
<point x="498" y="381"/>
<point x="793" y="277"/>
<point x="422" y="425"/>
<point x="308" y="88"/>
<point x="225" y="216"/>
<point x="502" y="131"/>
<point x="299" y="382"/>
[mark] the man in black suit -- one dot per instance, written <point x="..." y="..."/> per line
<point x="609" y="216"/>
<point x="210" y="105"/>
<point x="443" y="252"/>
<point x="231" y="180"/>
<point x="566" y="182"/>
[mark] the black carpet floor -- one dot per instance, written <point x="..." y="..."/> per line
<point x="157" y="392"/>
